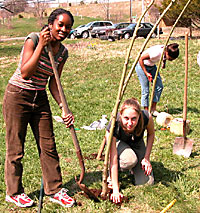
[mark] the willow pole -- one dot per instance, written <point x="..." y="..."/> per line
<point x="115" y="110"/>
<point x="126" y="65"/>
<point x="167" y="40"/>
<point x="144" y="45"/>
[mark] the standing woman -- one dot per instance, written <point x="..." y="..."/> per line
<point x="26" y="102"/>
<point x="128" y="151"/>
<point x="146" y="70"/>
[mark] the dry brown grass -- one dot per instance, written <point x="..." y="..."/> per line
<point x="118" y="11"/>
<point x="6" y="61"/>
<point x="95" y="49"/>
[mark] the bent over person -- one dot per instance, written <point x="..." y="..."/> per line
<point x="146" y="70"/>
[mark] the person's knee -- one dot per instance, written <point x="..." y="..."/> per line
<point x="128" y="162"/>
<point x="160" y="88"/>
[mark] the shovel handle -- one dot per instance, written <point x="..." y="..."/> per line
<point x="67" y="111"/>
<point x="185" y="87"/>
<point x="186" y="78"/>
<point x="41" y="196"/>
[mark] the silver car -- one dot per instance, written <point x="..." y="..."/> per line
<point x="85" y="32"/>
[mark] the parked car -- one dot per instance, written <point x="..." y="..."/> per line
<point x="107" y="30"/>
<point x="71" y="34"/>
<point x="85" y="32"/>
<point x="143" y="31"/>
<point x="121" y="25"/>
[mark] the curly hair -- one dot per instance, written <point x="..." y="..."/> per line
<point x="58" y="12"/>
<point x="133" y="103"/>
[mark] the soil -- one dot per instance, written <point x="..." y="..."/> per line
<point x="94" y="156"/>
<point x="97" y="193"/>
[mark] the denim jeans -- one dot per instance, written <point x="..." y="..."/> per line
<point x="145" y="84"/>
<point x="20" y="108"/>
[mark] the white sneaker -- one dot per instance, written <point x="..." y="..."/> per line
<point x="62" y="198"/>
<point x="21" y="200"/>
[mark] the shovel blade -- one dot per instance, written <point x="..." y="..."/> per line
<point x="183" y="146"/>
<point x="88" y="192"/>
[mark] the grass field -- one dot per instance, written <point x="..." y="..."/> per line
<point x="90" y="79"/>
<point x="20" y="27"/>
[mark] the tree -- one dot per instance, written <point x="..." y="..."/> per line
<point x="190" y="18"/>
<point x="11" y="8"/>
<point x="16" y="6"/>
<point x="105" y="5"/>
<point x="39" y="9"/>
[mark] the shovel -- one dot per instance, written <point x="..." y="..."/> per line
<point x="183" y="145"/>
<point x="90" y="194"/>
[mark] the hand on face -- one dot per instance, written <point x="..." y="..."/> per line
<point x="67" y="118"/>
<point x="146" y="166"/>
<point x="45" y="36"/>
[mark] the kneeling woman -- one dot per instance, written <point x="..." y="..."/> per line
<point x="128" y="151"/>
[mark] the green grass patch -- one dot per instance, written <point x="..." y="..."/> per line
<point x="20" y="27"/>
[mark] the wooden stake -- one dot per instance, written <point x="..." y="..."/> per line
<point x="101" y="148"/>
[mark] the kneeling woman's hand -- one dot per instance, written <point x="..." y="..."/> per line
<point x="116" y="197"/>
<point x="67" y="118"/>
<point x="146" y="166"/>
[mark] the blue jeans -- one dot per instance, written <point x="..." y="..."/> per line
<point x="145" y="84"/>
